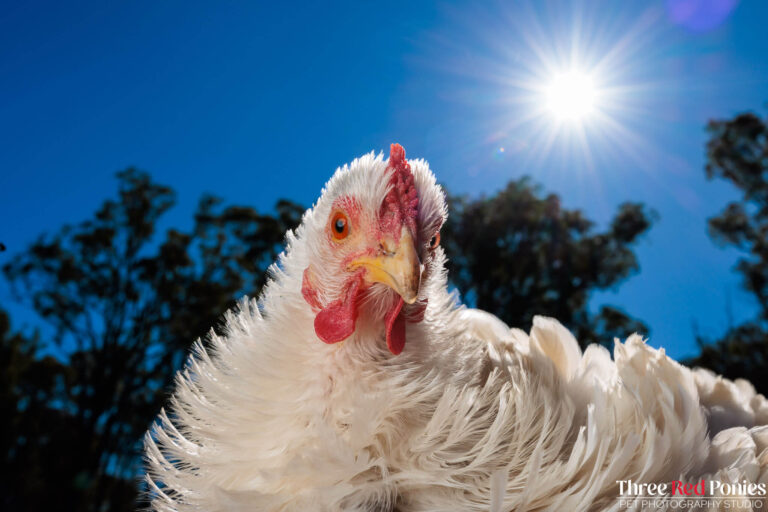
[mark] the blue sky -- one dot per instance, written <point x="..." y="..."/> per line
<point x="256" y="101"/>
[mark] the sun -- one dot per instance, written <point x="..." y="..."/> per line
<point x="569" y="90"/>
<point x="571" y="96"/>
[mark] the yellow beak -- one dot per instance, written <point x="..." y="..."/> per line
<point x="397" y="267"/>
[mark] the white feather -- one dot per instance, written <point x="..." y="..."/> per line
<point x="471" y="416"/>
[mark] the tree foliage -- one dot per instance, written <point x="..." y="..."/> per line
<point x="124" y="305"/>
<point x="519" y="253"/>
<point x="737" y="151"/>
<point x="32" y="430"/>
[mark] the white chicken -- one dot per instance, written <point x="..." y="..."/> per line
<point x="357" y="383"/>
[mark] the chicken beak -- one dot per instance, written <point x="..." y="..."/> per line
<point x="397" y="267"/>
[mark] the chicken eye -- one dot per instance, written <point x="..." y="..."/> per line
<point x="434" y="241"/>
<point x="339" y="226"/>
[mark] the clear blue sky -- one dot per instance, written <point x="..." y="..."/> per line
<point x="256" y="101"/>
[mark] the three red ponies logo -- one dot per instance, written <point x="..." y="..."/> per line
<point x="702" y="494"/>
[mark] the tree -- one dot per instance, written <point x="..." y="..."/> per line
<point x="29" y="383"/>
<point x="518" y="254"/>
<point x="737" y="151"/>
<point x="124" y="309"/>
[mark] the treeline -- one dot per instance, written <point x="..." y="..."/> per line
<point x="123" y="304"/>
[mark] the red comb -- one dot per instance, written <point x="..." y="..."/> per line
<point x="401" y="203"/>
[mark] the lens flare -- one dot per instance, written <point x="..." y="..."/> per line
<point x="562" y="90"/>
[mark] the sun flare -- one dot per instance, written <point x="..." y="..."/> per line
<point x="569" y="91"/>
<point x="571" y="96"/>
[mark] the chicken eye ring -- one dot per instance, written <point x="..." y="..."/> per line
<point x="434" y="241"/>
<point x="339" y="226"/>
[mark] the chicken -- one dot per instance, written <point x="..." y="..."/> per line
<point x="357" y="382"/>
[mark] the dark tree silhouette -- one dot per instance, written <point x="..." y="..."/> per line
<point x="31" y="446"/>
<point x="518" y="254"/>
<point x="125" y="306"/>
<point x="737" y="151"/>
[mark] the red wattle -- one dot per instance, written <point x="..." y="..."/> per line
<point x="395" y="327"/>
<point x="336" y="321"/>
